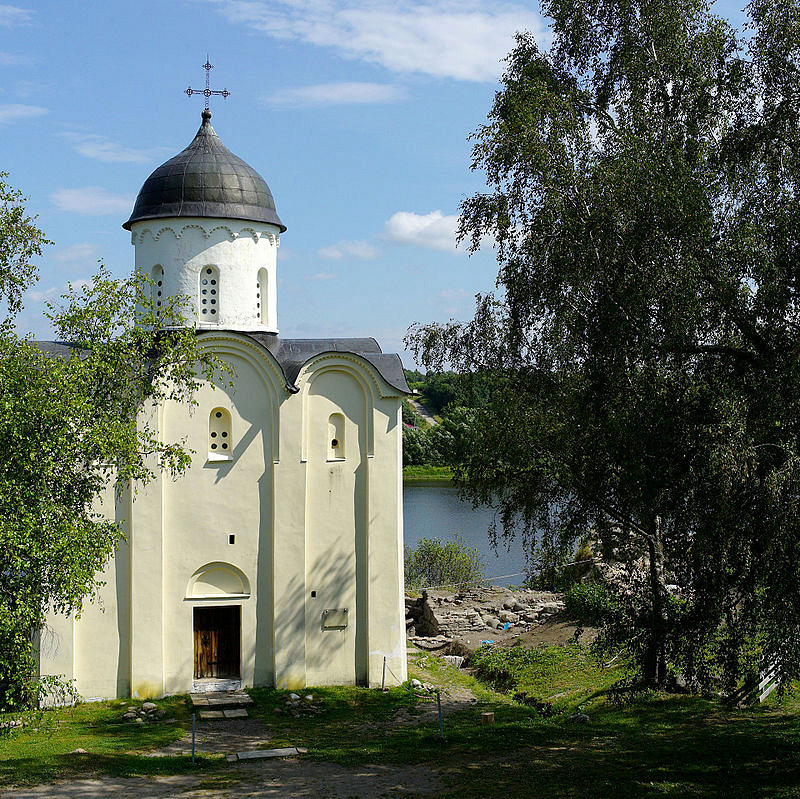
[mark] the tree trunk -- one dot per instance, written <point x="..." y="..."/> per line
<point x="655" y="667"/>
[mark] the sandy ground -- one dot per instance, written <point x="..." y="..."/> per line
<point x="288" y="777"/>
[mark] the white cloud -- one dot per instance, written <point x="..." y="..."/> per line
<point x="77" y="252"/>
<point x="12" y="15"/>
<point x="55" y="292"/>
<point x="354" y="249"/>
<point x="450" y="302"/>
<point x="323" y="276"/>
<point x="101" y="149"/>
<point x="92" y="200"/>
<point x="337" y="94"/>
<point x="10" y="112"/>
<point x="434" y="231"/>
<point x="14" y="60"/>
<point x="464" y="40"/>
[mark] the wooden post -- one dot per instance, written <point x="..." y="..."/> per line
<point x="487" y="719"/>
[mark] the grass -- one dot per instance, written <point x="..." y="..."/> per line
<point x="427" y="474"/>
<point x="41" y="751"/>
<point x="652" y="745"/>
<point x="560" y="677"/>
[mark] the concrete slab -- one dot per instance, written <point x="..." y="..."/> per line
<point x="212" y="714"/>
<point x="236" y="713"/>
<point x="263" y="754"/>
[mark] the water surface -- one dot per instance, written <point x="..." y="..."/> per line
<point x="434" y="510"/>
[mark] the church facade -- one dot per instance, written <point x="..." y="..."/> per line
<point x="277" y="558"/>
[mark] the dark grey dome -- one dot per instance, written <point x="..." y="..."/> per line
<point x="207" y="180"/>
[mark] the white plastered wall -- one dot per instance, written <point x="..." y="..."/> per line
<point x="332" y="520"/>
<point x="239" y="250"/>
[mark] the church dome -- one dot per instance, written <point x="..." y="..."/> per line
<point x="206" y="180"/>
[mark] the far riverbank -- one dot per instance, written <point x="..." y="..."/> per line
<point x="427" y="474"/>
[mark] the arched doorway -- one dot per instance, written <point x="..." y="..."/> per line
<point x="217" y="627"/>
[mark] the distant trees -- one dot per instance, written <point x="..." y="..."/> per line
<point x="644" y="194"/>
<point x="451" y="397"/>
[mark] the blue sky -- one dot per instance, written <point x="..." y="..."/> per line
<point x="356" y="113"/>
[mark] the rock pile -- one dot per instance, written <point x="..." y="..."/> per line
<point x="148" y="711"/>
<point x="439" y="617"/>
<point x="296" y="705"/>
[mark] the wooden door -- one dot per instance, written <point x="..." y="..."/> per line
<point x="217" y="642"/>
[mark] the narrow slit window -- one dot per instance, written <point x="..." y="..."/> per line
<point x="220" y="441"/>
<point x="209" y="294"/>
<point x="157" y="286"/>
<point x="262" y="296"/>
<point x="336" y="437"/>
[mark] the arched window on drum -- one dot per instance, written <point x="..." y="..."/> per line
<point x="157" y="285"/>
<point x="262" y="297"/>
<point x="220" y="441"/>
<point x="209" y="294"/>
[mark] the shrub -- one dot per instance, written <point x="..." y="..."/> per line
<point x="435" y="562"/>
<point x="591" y="604"/>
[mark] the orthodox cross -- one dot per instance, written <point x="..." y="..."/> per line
<point x="208" y="91"/>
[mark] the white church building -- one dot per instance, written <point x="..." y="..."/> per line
<point x="277" y="558"/>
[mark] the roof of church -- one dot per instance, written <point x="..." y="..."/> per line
<point x="292" y="353"/>
<point x="206" y="180"/>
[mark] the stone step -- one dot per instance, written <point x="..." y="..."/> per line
<point x="220" y="701"/>
<point x="236" y="713"/>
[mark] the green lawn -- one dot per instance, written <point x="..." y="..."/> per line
<point x="652" y="745"/>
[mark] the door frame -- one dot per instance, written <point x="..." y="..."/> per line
<point x="216" y="606"/>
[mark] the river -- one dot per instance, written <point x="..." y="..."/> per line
<point x="434" y="510"/>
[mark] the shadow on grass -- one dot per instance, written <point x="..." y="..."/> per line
<point x="669" y="747"/>
<point x="35" y="770"/>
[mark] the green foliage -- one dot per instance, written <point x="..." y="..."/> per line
<point x="20" y="242"/>
<point x="71" y="422"/>
<point x="433" y="562"/>
<point x="410" y="416"/>
<point x="591" y="604"/>
<point x="643" y="194"/>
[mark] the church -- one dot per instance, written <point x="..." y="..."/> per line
<point x="277" y="557"/>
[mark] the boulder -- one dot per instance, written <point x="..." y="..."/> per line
<point x="425" y="622"/>
<point x="508" y="616"/>
<point x="579" y="718"/>
<point x="148" y="706"/>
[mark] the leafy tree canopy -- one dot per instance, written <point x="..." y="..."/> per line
<point x="71" y="425"/>
<point x="643" y="182"/>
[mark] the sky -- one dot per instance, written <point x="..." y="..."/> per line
<point x="357" y="113"/>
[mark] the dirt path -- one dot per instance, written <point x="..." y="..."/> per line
<point x="423" y="411"/>
<point x="223" y="736"/>
<point x="289" y="777"/>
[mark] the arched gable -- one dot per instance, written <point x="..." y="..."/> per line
<point x="361" y="371"/>
<point x="263" y="364"/>
<point x="218" y="579"/>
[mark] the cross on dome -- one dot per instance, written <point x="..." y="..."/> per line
<point x="208" y="91"/>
